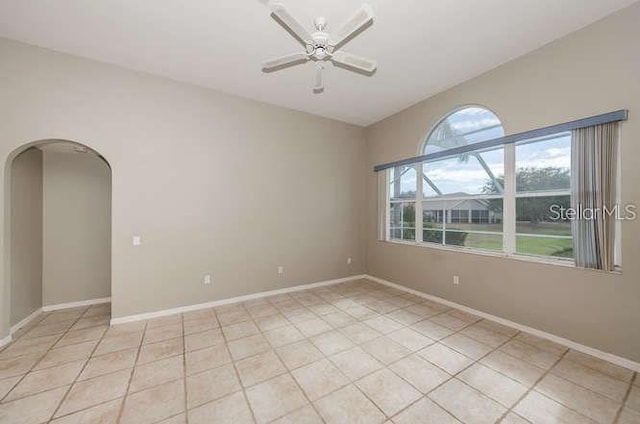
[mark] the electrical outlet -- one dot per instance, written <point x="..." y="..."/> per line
<point x="349" y="260"/>
<point x="280" y="270"/>
<point x="207" y="279"/>
<point x="456" y="280"/>
<point x="137" y="240"/>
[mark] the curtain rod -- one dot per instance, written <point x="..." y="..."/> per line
<point x="619" y="115"/>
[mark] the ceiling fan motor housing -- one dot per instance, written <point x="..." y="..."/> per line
<point x="321" y="49"/>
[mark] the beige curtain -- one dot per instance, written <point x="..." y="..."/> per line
<point x="382" y="203"/>
<point x="593" y="192"/>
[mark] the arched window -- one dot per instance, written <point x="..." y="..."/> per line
<point x="453" y="199"/>
<point x="464" y="126"/>
<point x="462" y="194"/>
<point x="474" y="173"/>
<point x="472" y="187"/>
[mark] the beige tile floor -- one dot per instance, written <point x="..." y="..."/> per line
<point x="356" y="352"/>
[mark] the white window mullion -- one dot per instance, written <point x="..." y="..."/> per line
<point x="509" y="202"/>
<point x="544" y="193"/>
<point x="444" y="225"/>
<point x="418" y="207"/>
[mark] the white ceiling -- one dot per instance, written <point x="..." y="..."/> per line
<point x="422" y="46"/>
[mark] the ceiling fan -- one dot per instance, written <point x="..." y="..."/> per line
<point x="320" y="46"/>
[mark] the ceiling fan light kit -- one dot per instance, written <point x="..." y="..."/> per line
<point x="320" y="46"/>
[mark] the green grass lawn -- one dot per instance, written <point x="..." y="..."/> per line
<point x="541" y="246"/>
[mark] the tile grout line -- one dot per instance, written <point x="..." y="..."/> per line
<point x="133" y="369"/>
<point x="184" y="368"/>
<point x="252" y="319"/>
<point x="563" y="356"/>
<point x="361" y="320"/>
<point x="592" y="391"/>
<point x="35" y="364"/>
<point x="549" y="370"/>
<point x="233" y="361"/>
<point x="287" y="370"/>
<point x="66" y="333"/>
<point x="88" y="358"/>
<point x="146" y="363"/>
<point x="595" y="370"/>
<point x="233" y="364"/>
<point x="327" y="358"/>
<point x="476" y="361"/>
<point x="572" y="382"/>
<point x="364" y="300"/>
<point x="310" y="403"/>
<point x="272" y="348"/>
<point x="359" y="345"/>
<point x="381" y="335"/>
<point x="438" y="341"/>
<point x="290" y="371"/>
<point x="91" y="378"/>
<point x="25" y="329"/>
<point x="385" y="366"/>
<point x="150" y="362"/>
<point x="634" y="377"/>
<point x="532" y="388"/>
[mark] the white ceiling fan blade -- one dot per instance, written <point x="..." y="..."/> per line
<point x="355" y="62"/>
<point x="360" y="19"/>
<point x="287" y="19"/>
<point x="318" y="83"/>
<point x="281" y="62"/>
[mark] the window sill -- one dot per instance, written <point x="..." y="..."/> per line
<point x="524" y="258"/>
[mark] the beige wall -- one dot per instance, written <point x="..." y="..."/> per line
<point x="592" y="71"/>
<point x="213" y="183"/>
<point x="26" y="237"/>
<point x="76" y="227"/>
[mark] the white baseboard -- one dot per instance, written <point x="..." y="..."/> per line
<point x="25" y="321"/>
<point x="59" y="306"/>
<point x="215" y="303"/>
<point x="18" y="326"/>
<point x="618" y="360"/>
<point x="5" y="341"/>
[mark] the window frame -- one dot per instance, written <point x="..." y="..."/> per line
<point x="461" y="198"/>
<point x="400" y="201"/>
<point x="509" y="213"/>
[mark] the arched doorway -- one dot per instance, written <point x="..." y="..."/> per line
<point x="57" y="228"/>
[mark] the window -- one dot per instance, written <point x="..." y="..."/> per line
<point x="464" y="126"/>
<point x="462" y="195"/>
<point x="543" y="179"/>
<point x="493" y="199"/>
<point x="402" y="207"/>
<point x="549" y="192"/>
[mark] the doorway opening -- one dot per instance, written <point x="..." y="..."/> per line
<point x="58" y="230"/>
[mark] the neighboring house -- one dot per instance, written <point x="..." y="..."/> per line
<point x="472" y="211"/>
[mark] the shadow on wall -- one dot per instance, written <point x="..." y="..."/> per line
<point x="57" y="227"/>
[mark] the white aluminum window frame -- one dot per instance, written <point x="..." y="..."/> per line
<point x="510" y="156"/>
<point x="401" y="201"/>
<point x="508" y="197"/>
